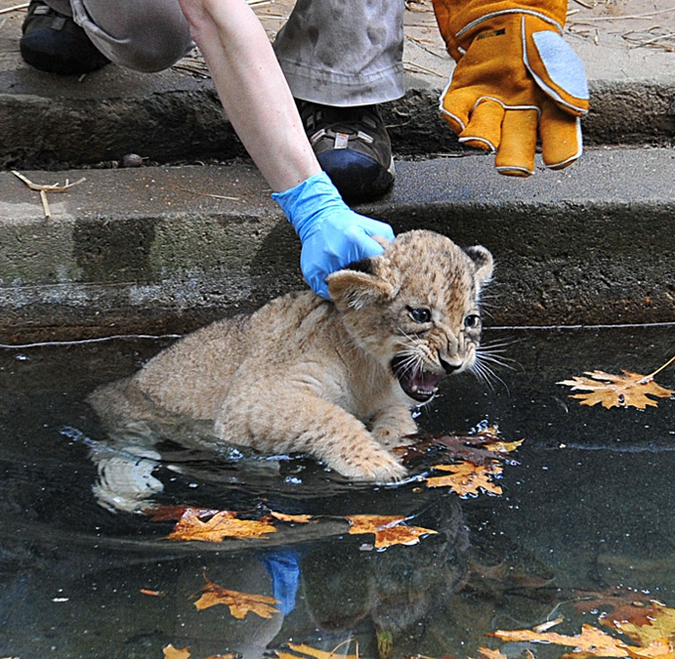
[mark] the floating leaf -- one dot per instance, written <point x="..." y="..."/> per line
<point x="504" y="447"/>
<point x="388" y="529"/>
<point x="642" y="623"/>
<point x="626" y="390"/>
<point x="292" y="519"/>
<point x="467" y="479"/>
<point x="174" y="513"/>
<point x="175" y="653"/>
<point x="303" y="648"/>
<point x="591" y="642"/>
<point x="224" y="524"/>
<point x="239" y="603"/>
<point x="492" y="654"/>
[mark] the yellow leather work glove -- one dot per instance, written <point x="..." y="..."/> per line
<point x="515" y="79"/>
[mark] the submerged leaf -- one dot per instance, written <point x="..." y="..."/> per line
<point x="239" y="603"/>
<point x="478" y="446"/>
<point x="626" y="390"/>
<point x="388" y="529"/>
<point x="223" y="524"/>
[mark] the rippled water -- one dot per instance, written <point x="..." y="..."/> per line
<point x="590" y="506"/>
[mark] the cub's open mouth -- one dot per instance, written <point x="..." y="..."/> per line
<point x="419" y="384"/>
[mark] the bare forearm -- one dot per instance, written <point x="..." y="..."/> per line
<point x="252" y="89"/>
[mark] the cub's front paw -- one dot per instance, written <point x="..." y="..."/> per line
<point x="375" y="467"/>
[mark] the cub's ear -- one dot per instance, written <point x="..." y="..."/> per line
<point x="357" y="286"/>
<point x="483" y="261"/>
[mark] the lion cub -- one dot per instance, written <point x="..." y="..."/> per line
<point x="333" y="379"/>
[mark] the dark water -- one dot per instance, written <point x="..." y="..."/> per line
<point x="589" y="507"/>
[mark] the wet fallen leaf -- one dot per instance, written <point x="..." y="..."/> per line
<point x="224" y="524"/>
<point x="308" y="650"/>
<point x="184" y="653"/>
<point x="627" y="390"/>
<point x="504" y="447"/>
<point x="176" y="653"/>
<point x="239" y="603"/>
<point x="174" y="513"/>
<point x="385" y="643"/>
<point x="492" y="654"/>
<point x="388" y="529"/>
<point x="467" y="479"/>
<point x="643" y="623"/>
<point x="292" y="519"/>
<point x="478" y="446"/>
<point x="609" y="598"/>
<point x="591" y="642"/>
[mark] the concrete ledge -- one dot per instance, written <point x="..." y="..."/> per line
<point x="157" y="249"/>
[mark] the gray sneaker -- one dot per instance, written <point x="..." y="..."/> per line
<point x="352" y="146"/>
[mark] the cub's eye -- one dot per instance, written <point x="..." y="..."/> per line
<point x="472" y="321"/>
<point x="420" y="315"/>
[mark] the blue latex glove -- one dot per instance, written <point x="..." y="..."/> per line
<point x="283" y="566"/>
<point x="332" y="235"/>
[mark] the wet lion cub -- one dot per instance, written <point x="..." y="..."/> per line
<point x="337" y="379"/>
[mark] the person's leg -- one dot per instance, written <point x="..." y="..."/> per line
<point x="341" y="59"/>
<point x="143" y="35"/>
<point x="78" y="36"/>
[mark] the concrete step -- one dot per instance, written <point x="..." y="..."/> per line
<point x="167" y="248"/>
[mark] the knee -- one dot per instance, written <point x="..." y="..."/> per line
<point x="149" y="40"/>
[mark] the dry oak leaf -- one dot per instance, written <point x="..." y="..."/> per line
<point x="224" y="524"/>
<point x="308" y="650"/>
<point x="591" y="642"/>
<point x="467" y="479"/>
<point x="626" y="390"/>
<point x="239" y="603"/>
<point x="388" y="529"/>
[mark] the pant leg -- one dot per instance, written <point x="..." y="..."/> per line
<point x="144" y="35"/>
<point x="343" y="52"/>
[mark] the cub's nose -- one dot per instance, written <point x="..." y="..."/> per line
<point x="450" y="367"/>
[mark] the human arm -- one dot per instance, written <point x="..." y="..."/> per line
<point x="261" y="108"/>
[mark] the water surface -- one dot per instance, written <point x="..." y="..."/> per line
<point x="589" y="507"/>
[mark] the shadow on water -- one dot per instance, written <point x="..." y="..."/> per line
<point x="589" y="507"/>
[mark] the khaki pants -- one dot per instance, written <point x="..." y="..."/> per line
<point x="335" y="52"/>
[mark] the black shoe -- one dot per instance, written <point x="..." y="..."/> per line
<point x="352" y="146"/>
<point x="53" y="42"/>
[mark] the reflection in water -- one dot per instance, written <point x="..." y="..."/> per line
<point x="589" y="507"/>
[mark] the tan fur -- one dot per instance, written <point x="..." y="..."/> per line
<point x="307" y="375"/>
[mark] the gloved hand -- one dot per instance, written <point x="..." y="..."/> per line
<point x="515" y="78"/>
<point x="332" y="235"/>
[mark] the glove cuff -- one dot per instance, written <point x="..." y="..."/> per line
<point x="458" y="19"/>
<point x="304" y="204"/>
